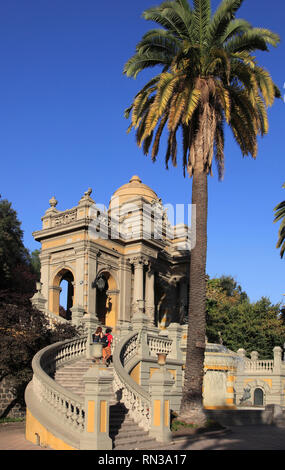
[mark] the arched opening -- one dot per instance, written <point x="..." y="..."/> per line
<point x="106" y="299"/>
<point x="62" y="294"/>
<point x="258" y="397"/>
<point x="66" y="295"/>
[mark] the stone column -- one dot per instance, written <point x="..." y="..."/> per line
<point x="138" y="278"/>
<point x="183" y="300"/>
<point x="38" y="300"/>
<point x="93" y="255"/>
<point x="277" y="355"/>
<point x="175" y="333"/>
<point x="77" y="312"/>
<point x="254" y="356"/>
<point x="149" y="295"/>
<point x="161" y="384"/>
<point x="90" y="324"/>
<point x="98" y="393"/>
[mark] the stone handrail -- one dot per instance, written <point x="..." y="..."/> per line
<point x="135" y="398"/>
<point x="58" y="405"/>
<point x="265" y="365"/>
<point x="158" y="344"/>
<point x="54" y="318"/>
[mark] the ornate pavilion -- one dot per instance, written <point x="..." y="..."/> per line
<point x="113" y="259"/>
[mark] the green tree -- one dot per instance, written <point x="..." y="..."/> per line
<point x="12" y="250"/>
<point x="23" y="332"/>
<point x="23" y="329"/>
<point x="280" y="215"/>
<point x="256" y="326"/>
<point x="36" y="263"/>
<point x="209" y="78"/>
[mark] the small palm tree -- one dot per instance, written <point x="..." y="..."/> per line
<point x="280" y="215"/>
<point x="208" y="78"/>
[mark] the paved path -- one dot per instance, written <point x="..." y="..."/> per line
<point x="12" y="437"/>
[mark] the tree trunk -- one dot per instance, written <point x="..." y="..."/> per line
<point x="192" y="404"/>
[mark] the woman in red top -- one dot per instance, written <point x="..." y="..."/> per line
<point x="107" y="350"/>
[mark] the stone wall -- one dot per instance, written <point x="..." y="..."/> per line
<point x="8" y="408"/>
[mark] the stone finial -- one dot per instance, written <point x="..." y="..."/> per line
<point x="86" y="197"/>
<point x="135" y="179"/>
<point x="53" y="202"/>
<point x="88" y="192"/>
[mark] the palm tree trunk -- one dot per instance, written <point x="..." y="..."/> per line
<point x="192" y="405"/>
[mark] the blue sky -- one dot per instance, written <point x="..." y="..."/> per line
<point x="62" y="130"/>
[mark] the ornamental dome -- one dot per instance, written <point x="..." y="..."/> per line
<point x="135" y="188"/>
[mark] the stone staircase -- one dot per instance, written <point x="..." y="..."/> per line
<point x="124" y="432"/>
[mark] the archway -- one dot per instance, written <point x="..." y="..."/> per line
<point x="106" y="299"/>
<point x="62" y="293"/>
<point x="258" y="397"/>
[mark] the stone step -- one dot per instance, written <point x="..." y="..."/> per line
<point x="125" y="433"/>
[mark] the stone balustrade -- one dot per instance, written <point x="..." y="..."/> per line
<point x="158" y="344"/>
<point x="135" y="398"/>
<point x="52" y="405"/>
<point x="261" y="365"/>
<point x="62" y="411"/>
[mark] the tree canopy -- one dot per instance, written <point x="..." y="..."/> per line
<point x="23" y="329"/>
<point x="254" y="326"/>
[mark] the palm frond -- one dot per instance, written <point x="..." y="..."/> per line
<point x="139" y="62"/>
<point x="166" y="17"/>
<point x="201" y="17"/>
<point x="221" y="19"/>
<point x="251" y="40"/>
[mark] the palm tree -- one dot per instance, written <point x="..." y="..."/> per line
<point x="280" y="215"/>
<point x="209" y="77"/>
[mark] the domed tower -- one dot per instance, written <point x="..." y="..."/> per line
<point x="114" y="260"/>
<point x="133" y="190"/>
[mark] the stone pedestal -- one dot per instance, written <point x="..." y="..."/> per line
<point x="160" y="386"/>
<point x="98" y="393"/>
<point x="175" y="332"/>
<point x="90" y="323"/>
<point x="38" y="300"/>
<point x="77" y="313"/>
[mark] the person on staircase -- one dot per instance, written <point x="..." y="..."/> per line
<point x="98" y="335"/>
<point x="107" y="353"/>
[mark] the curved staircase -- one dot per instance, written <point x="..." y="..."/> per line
<point x="124" y="432"/>
<point x="60" y="404"/>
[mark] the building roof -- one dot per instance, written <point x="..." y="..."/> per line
<point x="135" y="188"/>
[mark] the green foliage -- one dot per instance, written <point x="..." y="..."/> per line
<point x="12" y="250"/>
<point x="177" y="425"/>
<point x="23" y="332"/>
<point x="280" y="216"/>
<point x="36" y="263"/>
<point x="208" y="77"/>
<point x="256" y="326"/>
<point x="23" y="329"/>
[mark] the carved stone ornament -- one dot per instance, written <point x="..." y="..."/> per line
<point x="53" y="202"/>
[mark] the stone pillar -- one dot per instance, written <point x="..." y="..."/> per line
<point x="160" y="384"/>
<point x="254" y="356"/>
<point x="54" y="298"/>
<point x="183" y="300"/>
<point x="77" y="312"/>
<point x="90" y="324"/>
<point x="241" y="363"/>
<point x="98" y="393"/>
<point x="174" y="333"/>
<point x="149" y="295"/>
<point x="277" y="355"/>
<point x="93" y="255"/>
<point x="230" y="398"/>
<point x="138" y="278"/>
<point x="38" y="300"/>
<point x="45" y="274"/>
